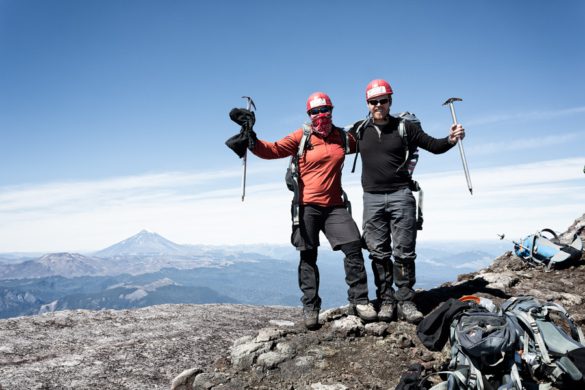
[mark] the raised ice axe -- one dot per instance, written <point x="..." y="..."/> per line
<point x="245" y="158"/>
<point x="460" y="142"/>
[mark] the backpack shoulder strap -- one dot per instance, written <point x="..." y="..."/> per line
<point x="361" y="126"/>
<point x="344" y="139"/>
<point x="522" y="309"/>
<point x="402" y="132"/>
<point x="575" y="331"/>
<point x="403" y="117"/>
<point x="294" y="170"/>
<point x="346" y="149"/>
<point x="304" y="139"/>
<point x="359" y="133"/>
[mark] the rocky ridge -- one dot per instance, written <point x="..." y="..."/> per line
<point x="249" y="347"/>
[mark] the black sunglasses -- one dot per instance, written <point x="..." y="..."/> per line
<point x="375" y="102"/>
<point x="319" y="110"/>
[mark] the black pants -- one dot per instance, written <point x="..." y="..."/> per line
<point x="343" y="234"/>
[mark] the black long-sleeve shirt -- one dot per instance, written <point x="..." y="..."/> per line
<point x="383" y="152"/>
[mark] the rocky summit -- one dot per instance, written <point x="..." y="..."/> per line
<point x="184" y="347"/>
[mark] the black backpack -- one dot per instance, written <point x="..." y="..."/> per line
<point x="525" y="344"/>
<point x="483" y="346"/>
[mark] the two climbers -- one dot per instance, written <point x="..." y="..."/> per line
<point x="389" y="219"/>
<point x="321" y="206"/>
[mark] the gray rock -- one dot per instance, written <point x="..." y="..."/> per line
<point x="321" y="352"/>
<point x="304" y="361"/>
<point x="206" y="381"/>
<point x="499" y="280"/>
<point x="570" y="300"/>
<point x="402" y="340"/>
<point x="243" y="349"/>
<point x="243" y="340"/>
<point x="132" y="349"/>
<point x="184" y="381"/>
<point x="333" y="314"/>
<point x="377" y="329"/>
<point x="268" y="334"/>
<point x="285" y="348"/>
<point x="281" y="323"/>
<point x="244" y="355"/>
<point x="271" y="359"/>
<point x="337" y="386"/>
<point x="350" y="325"/>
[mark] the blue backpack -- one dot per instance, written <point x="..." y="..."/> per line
<point x="547" y="250"/>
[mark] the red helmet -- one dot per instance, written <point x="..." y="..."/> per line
<point x="377" y="88"/>
<point x="318" y="99"/>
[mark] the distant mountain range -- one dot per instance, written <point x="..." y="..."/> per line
<point x="142" y="253"/>
<point x="111" y="278"/>
<point x="148" y="269"/>
<point x="69" y="264"/>
<point x="41" y="295"/>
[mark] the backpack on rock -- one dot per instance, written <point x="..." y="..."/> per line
<point x="552" y="345"/>
<point x="483" y="346"/>
<point x="547" y="249"/>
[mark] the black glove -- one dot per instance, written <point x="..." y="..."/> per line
<point x="238" y="143"/>
<point x="243" y="117"/>
<point x="252" y="139"/>
<point x="246" y="138"/>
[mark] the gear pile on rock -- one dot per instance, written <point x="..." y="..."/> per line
<point x="345" y="353"/>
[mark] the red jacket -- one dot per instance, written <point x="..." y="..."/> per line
<point x="319" y="167"/>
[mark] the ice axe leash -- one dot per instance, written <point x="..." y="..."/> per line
<point x="516" y="244"/>
<point x="450" y="102"/>
<point x="245" y="158"/>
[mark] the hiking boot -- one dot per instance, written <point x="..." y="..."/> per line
<point x="364" y="311"/>
<point x="386" y="312"/>
<point x="311" y="318"/>
<point x="408" y="312"/>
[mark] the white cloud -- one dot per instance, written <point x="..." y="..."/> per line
<point x="205" y="207"/>
<point x="515" y="200"/>
<point x="524" y="144"/>
<point x="523" y="116"/>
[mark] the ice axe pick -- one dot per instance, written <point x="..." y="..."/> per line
<point x="245" y="158"/>
<point x="450" y="102"/>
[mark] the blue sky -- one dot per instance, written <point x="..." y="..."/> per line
<point x="113" y="114"/>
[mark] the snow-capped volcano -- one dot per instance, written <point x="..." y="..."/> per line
<point x="144" y="243"/>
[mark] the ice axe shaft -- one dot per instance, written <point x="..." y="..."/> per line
<point x="244" y="165"/>
<point x="450" y="102"/>
<point x="245" y="158"/>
